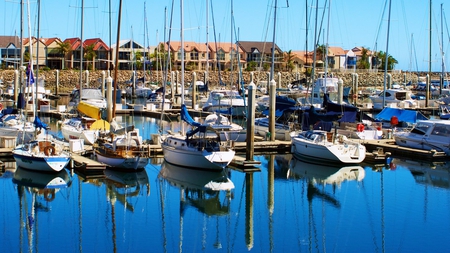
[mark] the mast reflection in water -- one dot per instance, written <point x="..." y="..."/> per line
<point x="290" y="205"/>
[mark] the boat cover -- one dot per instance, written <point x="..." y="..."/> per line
<point x="403" y="115"/>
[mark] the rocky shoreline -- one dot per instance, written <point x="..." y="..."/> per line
<point x="68" y="79"/>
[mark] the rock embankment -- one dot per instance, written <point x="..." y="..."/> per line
<point x="69" y="79"/>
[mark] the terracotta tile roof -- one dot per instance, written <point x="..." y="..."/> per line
<point x="336" y="51"/>
<point x="97" y="42"/>
<point x="74" y="42"/>
<point x="49" y="41"/>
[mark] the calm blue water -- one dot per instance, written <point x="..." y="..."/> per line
<point x="289" y="206"/>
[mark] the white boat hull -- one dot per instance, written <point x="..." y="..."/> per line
<point x="40" y="162"/>
<point x="71" y="133"/>
<point x="325" y="151"/>
<point x="177" y="151"/>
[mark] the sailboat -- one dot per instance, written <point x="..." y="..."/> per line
<point x="123" y="149"/>
<point x="196" y="148"/>
<point x="43" y="153"/>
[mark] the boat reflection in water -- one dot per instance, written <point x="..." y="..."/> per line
<point x="208" y="193"/>
<point x="436" y="174"/>
<point x="39" y="185"/>
<point x="323" y="174"/>
<point x="124" y="184"/>
<point x="201" y="188"/>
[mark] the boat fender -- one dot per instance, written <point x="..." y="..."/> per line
<point x="49" y="196"/>
<point x="394" y="120"/>
<point x="360" y="127"/>
<point x="49" y="150"/>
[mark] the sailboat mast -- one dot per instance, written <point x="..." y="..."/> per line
<point x="81" y="47"/>
<point x="37" y="59"/>
<point x="231" y="47"/>
<point x="207" y="41"/>
<point x="387" y="54"/>
<point x="326" y="45"/>
<point x="182" y="51"/>
<point x="116" y="65"/>
<point x="273" y="41"/>
<point x="442" y="49"/>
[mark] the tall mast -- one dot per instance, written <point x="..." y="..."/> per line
<point x="231" y="50"/>
<point x="387" y="53"/>
<point x="116" y="65"/>
<point x="207" y="40"/>
<point x="442" y="46"/>
<point x="182" y="52"/>
<point x="37" y="56"/>
<point x="273" y="41"/>
<point x="81" y="47"/>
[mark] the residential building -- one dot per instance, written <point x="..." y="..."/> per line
<point x="101" y="54"/>
<point x="54" y="58"/>
<point x="38" y="50"/>
<point x="127" y="54"/>
<point x="261" y="54"/>
<point x="9" y="51"/>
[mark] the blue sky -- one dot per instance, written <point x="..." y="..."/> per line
<point x="352" y="23"/>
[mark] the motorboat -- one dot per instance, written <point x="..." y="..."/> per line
<point x="227" y="102"/>
<point x="91" y="96"/>
<point x="87" y="129"/>
<point x="196" y="148"/>
<point x="426" y="135"/>
<point x="396" y="97"/>
<point x="227" y="130"/>
<point x="327" y="147"/>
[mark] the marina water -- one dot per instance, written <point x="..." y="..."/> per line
<point x="289" y="206"/>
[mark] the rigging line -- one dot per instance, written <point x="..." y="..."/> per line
<point x="267" y="21"/>
<point x="166" y="67"/>
<point x="379" y="27"/>
<point x="321" y="22"/>
<point x="215" y="44"/>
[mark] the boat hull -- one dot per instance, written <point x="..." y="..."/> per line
<point x="328" y="152"/>
<point x="118" y="162"/>
<point x="176" y="151"/>
<point x="28" y="161"/>
<point x="71" y="133"/>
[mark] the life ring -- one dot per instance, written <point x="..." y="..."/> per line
<point x="49" y="150"/>
<point x="1" y="106"/>
<point x="49" y="195"/>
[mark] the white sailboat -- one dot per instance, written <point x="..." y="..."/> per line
<point x="195" y="149"/>
<point x="124" y="148"/>
<point x="43" y="153"/>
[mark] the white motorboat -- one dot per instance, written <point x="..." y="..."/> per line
<point x="87" y="129"/>
<point x="282" y="131"/>
<point x="327" y="147"/>
<point x="399" y="97"/>
<point x="426" y="135"/>
<point x="41" y="180"/>
<point x="227" y="102"/>
<point x="196" y="148"/>
<point x="91" y="96"/>
<point x="44" y="155"/>
<point x="226" y="130"/>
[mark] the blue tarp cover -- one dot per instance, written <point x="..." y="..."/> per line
<point x="408" y="116"/>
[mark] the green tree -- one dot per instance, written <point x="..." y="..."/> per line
<point x="89" y="54"/>
<point x="321" y="51"/>
<point x="363" y="63"/>
<point x="137" y="60"/>
<point x="288" y="59"/>
<point x="64" y="48"/>
<point x="381" y="56"/>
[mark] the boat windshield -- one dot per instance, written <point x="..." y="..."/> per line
<point x="420" y="129"/>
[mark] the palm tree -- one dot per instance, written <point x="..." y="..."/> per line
<point x="381" y="56"/>
<point x="363" y="63"/>
<point x="288" y="56"/>
<point x="89" y="54"/>
<point x="64" y="48"/>
<point x="321" y="51"/>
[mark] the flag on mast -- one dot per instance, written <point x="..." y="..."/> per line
<point x="30" y="75"/>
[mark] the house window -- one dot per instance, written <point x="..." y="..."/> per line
<point x="221" y="55"/>
<point x="194" y="55"/>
